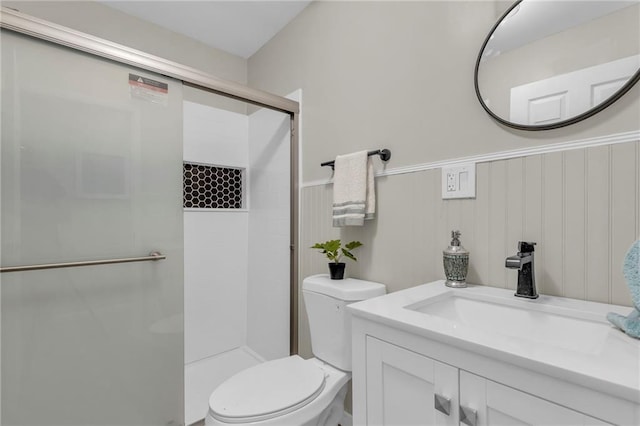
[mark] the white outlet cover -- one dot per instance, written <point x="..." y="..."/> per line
<point x="464" y="177"/>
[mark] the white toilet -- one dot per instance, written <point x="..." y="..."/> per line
<point x="292" y="391"/>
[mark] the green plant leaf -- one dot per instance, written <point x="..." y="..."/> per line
<point x="349" y="254"/>
<point x="332" y="245"/>
<point x="334" y="251"/>
<point x="353" y="244"/>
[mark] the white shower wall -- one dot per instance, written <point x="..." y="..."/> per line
<point x="236" y="260"/>
<point x="215" y="253"/>
<point x="269" y="220"/>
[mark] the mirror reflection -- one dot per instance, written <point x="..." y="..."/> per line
<point x="547" y="64"/>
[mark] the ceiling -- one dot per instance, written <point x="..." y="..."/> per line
<point x="236" y="26"/>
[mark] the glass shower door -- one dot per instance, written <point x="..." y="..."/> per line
<point x="91" y="167"/>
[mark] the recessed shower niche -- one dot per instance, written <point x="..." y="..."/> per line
<point x="205" y="186"/>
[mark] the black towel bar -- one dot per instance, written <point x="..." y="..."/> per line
<point x="384" y="154"/>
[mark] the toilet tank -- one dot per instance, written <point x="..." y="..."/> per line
<point x="329" y="321"/>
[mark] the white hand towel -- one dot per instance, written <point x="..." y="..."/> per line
<point x="353" y="190"/>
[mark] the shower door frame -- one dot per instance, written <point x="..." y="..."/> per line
<point x="13" y="20"/>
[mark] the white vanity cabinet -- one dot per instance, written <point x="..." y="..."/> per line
<point x="403" y="387"/>
<point x="412" y="368"/>
<point x="407" y="388"/>
<point x="488" y="403"/>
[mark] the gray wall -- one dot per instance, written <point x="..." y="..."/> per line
<point x="400" y="75"/>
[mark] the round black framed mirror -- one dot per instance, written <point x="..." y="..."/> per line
<point x="548" y="64"/>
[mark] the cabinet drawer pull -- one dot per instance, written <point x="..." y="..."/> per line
<point x="468" y="416"/>
<point x="442" y="404"/>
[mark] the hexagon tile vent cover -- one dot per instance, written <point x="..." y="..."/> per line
<point x="211" y="187"/>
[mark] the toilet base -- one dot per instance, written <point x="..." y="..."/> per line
<point x="334" y="413"/>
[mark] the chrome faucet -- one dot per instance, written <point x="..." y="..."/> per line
<point x="523" y="262"/>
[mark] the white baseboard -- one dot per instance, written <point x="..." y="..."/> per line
<point x="347" y="420"/>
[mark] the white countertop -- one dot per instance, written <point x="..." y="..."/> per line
<point x="596" y="355"/>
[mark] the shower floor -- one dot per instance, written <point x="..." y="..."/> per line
<point x="203" y="376"/>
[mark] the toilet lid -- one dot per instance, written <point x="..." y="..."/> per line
<point x="267" y="390"/>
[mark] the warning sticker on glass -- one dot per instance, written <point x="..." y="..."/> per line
<point x="149" y="90"/>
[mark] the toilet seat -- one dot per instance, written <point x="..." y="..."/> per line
<point x="267" y="390"/>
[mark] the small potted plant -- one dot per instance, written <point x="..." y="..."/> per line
<point x="334" y="251"/>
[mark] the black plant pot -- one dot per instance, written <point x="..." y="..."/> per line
<point x="336" y="270"/>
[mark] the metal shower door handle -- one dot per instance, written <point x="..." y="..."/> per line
<point x="153" y="256"/>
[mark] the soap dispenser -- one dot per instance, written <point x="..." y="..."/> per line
<point x="456" y="262"/>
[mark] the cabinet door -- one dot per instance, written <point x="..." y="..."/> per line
<point x="496" y="404"/>
<point x="404" y="388"/>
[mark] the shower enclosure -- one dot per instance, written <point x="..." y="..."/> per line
<point x="92" y="289"/>
<point x="236" y="237"/>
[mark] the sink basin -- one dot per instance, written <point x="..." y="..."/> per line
<point x="543" y="323"/>
<point x="561" y="337"/>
